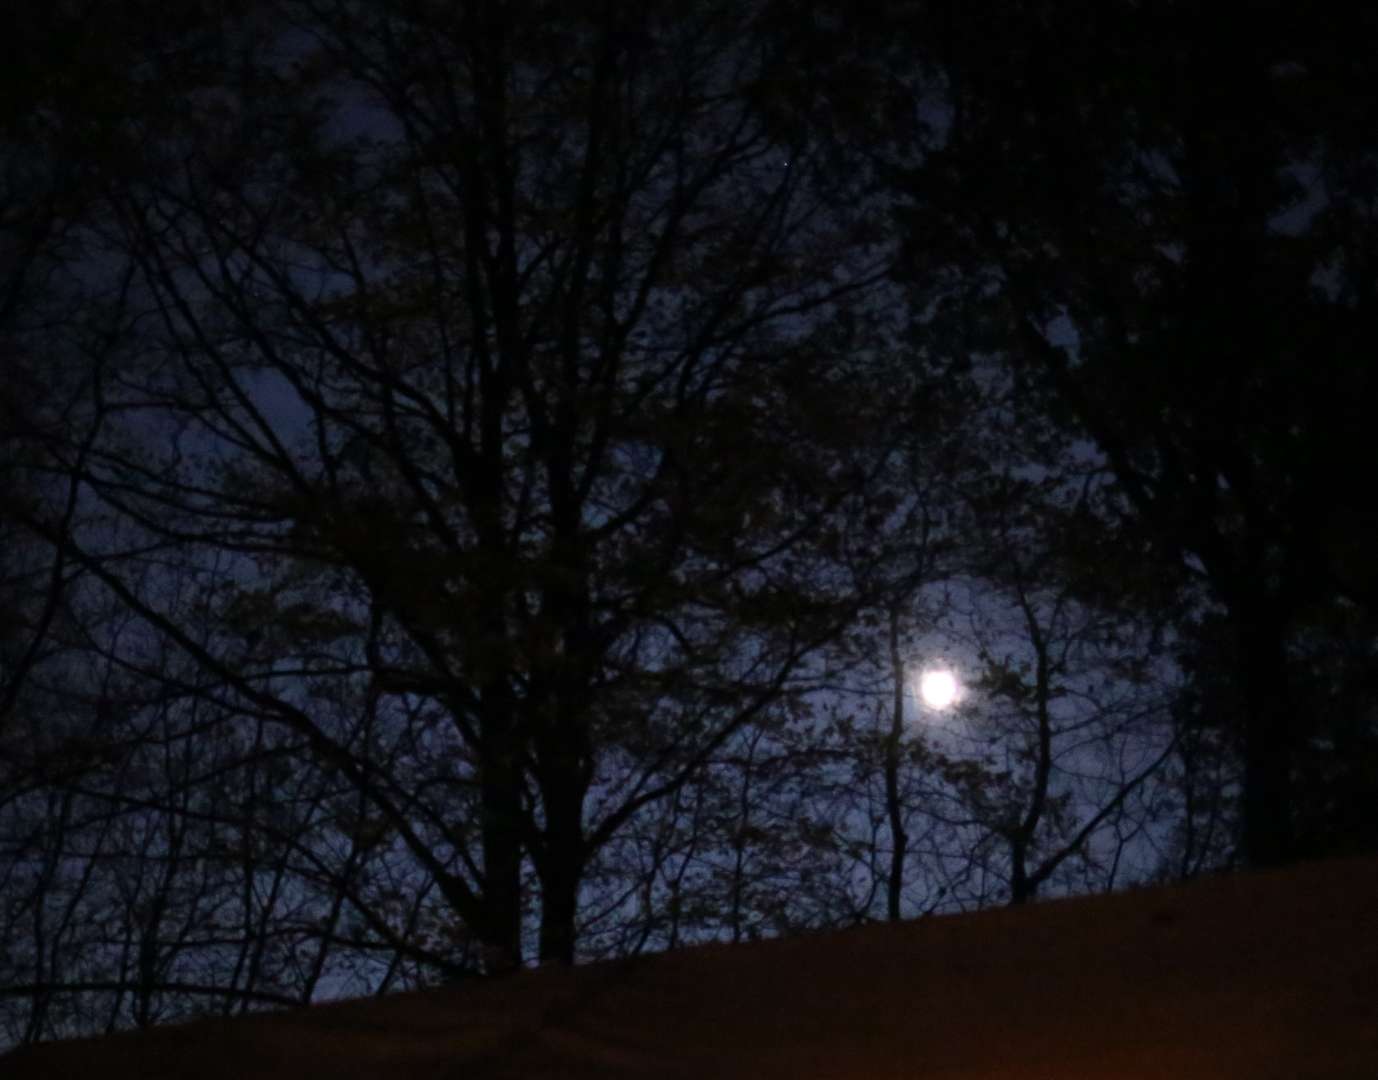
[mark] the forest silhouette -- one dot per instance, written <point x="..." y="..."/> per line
<point x="480" y="484"/>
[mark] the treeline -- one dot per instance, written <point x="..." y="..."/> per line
<point x="478" y="481"/>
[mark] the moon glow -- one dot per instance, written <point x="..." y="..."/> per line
<point x="938" y="689"/>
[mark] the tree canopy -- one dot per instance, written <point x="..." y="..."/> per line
<point x="480" y="479"/>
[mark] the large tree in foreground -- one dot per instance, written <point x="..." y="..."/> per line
<point x="499" y="377"/>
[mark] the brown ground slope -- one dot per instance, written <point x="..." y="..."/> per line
<point x="1260" y="976"/>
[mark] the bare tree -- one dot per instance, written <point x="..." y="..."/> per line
<point x="513" y="378"/>
<point x="1073" y="686"/>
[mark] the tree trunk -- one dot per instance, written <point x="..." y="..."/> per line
<point x="1267" y="820"/>
<point x="1022" y="888"/>
<point x="899" y="839"/>
<point x="501" y="932"/>
<point x="561" y="869"/>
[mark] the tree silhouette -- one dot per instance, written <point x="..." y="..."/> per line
<point x="1166" y="232"/>
<point x="474" y="476"/>
<point x="511" y="350"/>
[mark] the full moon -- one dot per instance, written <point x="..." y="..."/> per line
<point x="938" y="689"/>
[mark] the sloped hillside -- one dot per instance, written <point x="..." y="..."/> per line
<point x="1255" y="976"/>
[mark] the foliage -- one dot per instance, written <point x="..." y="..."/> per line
<point x="479" y="479"/>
